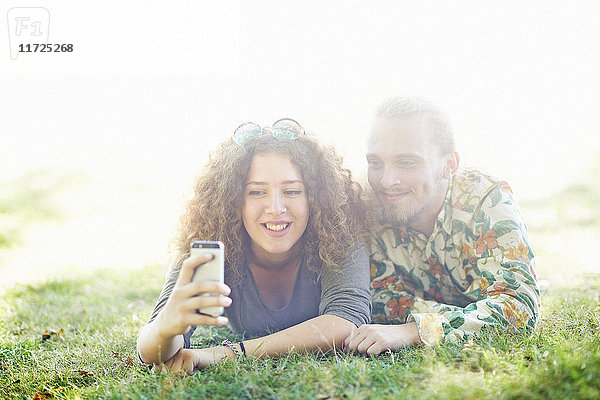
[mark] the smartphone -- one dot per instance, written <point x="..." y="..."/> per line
<point x="213" y="270"/>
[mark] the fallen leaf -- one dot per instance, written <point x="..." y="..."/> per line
<point x="127" y="361"/>
<point x="48" y="334"/>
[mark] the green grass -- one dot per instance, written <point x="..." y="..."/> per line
<point x="101" y="313"/>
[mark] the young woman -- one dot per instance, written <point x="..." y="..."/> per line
<point x="290" y="218"/>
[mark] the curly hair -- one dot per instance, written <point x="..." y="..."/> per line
<point x="336" y="221"/>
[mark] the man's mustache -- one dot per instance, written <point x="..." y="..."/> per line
<point x="394" y="191"/>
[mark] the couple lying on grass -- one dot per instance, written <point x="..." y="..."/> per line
<point x="435" y="254"/>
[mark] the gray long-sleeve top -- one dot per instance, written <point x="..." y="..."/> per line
<point x="344" y="293"/>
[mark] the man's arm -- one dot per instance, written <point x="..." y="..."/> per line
<point x="505" y="290"/>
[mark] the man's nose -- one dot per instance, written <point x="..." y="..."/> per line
<point x="276" y="204"/>
<point x="390" y="177"/>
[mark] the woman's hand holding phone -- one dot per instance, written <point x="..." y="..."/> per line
<point x="180" y="311"/>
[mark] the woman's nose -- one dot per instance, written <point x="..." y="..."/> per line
<point x="276" y="204"/>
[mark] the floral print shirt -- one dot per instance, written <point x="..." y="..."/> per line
<point x="475" y="270"/>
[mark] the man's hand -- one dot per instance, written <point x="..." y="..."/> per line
<point x="374" y="339"/>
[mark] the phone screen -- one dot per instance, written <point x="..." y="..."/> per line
<point x="212" y="270"/>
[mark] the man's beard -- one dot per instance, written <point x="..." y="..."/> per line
<point x="411" y="212"/>
<point x="396" y="217"/>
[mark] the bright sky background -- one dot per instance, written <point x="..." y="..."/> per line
<point x="151" y="86"/>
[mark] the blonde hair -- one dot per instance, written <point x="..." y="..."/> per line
<point x="396" y="107"/>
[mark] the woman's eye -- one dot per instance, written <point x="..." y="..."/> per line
<point x="293" y="192"/>
<point x="254" y="193"/>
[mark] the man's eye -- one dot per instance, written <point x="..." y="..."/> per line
<point x="374" y="163"/>
<point x="407" y="163"/>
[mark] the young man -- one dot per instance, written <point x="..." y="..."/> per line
<point x="451" y="255"/>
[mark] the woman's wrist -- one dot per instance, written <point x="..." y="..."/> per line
<point x="225" y="352"/>
<point x="159" y="327"/>
<point x="164" y="328"/>
<point x="235" y="350"/>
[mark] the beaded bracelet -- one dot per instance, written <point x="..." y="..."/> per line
<point x="228" y="343"/>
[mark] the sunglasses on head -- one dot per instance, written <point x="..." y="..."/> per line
<point x="285" y="128"/>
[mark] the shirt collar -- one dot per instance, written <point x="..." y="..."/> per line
<point x="444" y="219"/>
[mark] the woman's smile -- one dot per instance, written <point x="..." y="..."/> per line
<point x="277" y="227"/>
<point x="275" y="211"/>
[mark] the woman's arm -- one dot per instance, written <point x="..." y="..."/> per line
<point x="374" y="339"/>
<point x="345" y="304"/>
<point x="162" y="337"/>
<point x="321" y="333"/>
<point x="155" y="349"/>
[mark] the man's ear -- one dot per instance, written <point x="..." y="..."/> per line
<point x="451" y="165"/>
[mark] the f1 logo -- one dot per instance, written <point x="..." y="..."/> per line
<point x="27" y="25"/>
